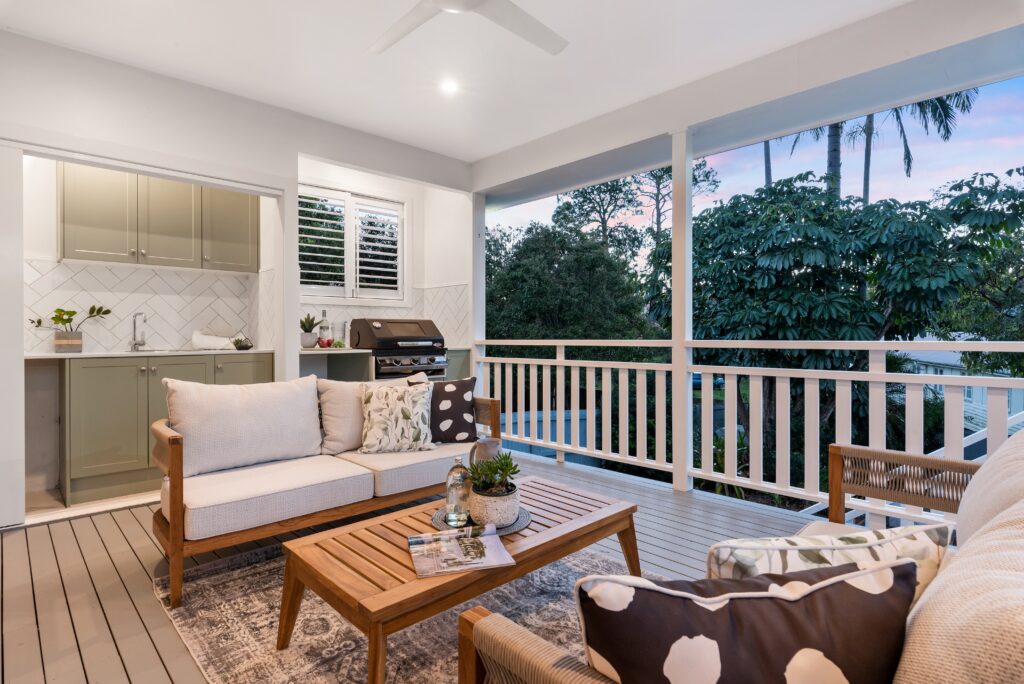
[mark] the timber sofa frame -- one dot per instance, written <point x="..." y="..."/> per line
<point x="168" y="456"/>
<point x="910" y="479"/>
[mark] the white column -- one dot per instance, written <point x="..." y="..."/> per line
<point x="478" y="284"/>
<point x="682" y="310"/>
<point x="287" y="352"/>
<point x="12" y="344"/>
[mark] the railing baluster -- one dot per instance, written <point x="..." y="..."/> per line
<point x="606" y="410"/>
<point x="641" y="415"/>
<point x="707" y="422"/>
<point x="624" y="412"/>
<point x="574" y="403"/>
<point x="812" y="405"/>
<point x="497" y="389"/>
<point x="485" y="372"/>
<point x="547" y="372"/>
<point x="508" y="399"/>
<point x="913" y="435"/>
<point x="997" y="409"/>
<point x="876" y="400"/>
<point x="731" y="396"/>
<point x="782" y="401"/>
<point x="533" y="403"/>
<point x="660" y="438"/>
<point x="844" y="411"/>
<point x="560" y="409"/>
<point x="591" y="408"/>
<point x="755" y="439"/>
<point x="954" y="422"/>
<point x="521" y="399"/>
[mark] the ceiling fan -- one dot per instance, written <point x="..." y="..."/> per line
<point x="504" y="13"/>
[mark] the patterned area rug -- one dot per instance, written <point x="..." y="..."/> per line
<point x="228" y="620"/>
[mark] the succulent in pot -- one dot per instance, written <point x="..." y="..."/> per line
<point x="309" y="337"/>
<point x="494" y="497"/>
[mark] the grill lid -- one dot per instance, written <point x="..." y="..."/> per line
<point x="395" y="333"/>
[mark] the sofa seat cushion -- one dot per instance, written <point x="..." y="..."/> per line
<point x="230" y="426"/>
<point x="997" y="486"/>
<point x="240" y="499"/>
<point x="407" y="470"/>
<point x="969" y="624"/>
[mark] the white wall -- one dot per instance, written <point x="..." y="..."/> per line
<point x="12" y="365"/>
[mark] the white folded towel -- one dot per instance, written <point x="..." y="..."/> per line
<point x="204" y="341"/>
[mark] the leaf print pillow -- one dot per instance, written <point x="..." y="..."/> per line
<point x="396" y="418"/>
<point x="927" y="545"/>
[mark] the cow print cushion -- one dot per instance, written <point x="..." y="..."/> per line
<point x="836" y="625"/>
<point x="452" y="418"/>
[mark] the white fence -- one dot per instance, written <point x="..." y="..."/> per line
<point x="617" y="395"/>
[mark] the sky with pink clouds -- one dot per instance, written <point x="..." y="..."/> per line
<point x="990" y="138"/>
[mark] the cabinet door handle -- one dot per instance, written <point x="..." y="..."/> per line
<point x="220" y="366"/>
<point x="142" y="369"/>
<point x="206" y="258"/>
<point x="132" y="251"/>
<point x="143" y="252"/>
<point x="152" y="369"/>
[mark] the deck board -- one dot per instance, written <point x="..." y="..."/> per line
<point x="77" y="601"/>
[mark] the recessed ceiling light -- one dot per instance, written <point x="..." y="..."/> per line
<point x="449" y="86"/>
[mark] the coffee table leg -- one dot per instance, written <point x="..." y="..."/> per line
<point x="377" y="654"/>
<point x="291" y="600"/>
<point x="627" y="540"/>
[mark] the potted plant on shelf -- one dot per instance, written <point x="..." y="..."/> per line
<point x="494" y="497"/>
<point x="309" y="336"/>
<point x="67" y="337"/>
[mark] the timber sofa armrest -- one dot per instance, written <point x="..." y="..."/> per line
<point x="911" y="479"/>
<point x="167" y="451"/>
<point x="488" y="412"/>
<point x="491" y="644"/>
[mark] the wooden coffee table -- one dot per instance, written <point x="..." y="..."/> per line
<point x="365" y="572"/>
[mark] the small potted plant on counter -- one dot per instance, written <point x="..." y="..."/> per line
<point x="67" y="337"/>
<point x="309" y="336"/>
<point x="494" y="497"/>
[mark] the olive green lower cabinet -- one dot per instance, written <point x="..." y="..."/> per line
<point x="109" y="404"/>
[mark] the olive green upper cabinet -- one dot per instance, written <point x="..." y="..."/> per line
<point x="170" y="223"/>
<point x="99" y="210"/>
<point x="230" y="230"/>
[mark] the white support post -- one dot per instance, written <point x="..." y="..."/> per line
<point x="286" y="360"/>
<point x="682" y="311"/>
<point x="876" y="421"/>
<point x="12" y="344"/>
<point x="478" y="285"/>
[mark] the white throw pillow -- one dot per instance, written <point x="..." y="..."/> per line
<point x="341" y="410"/>
<point x="229" y="426"/>
<point x="396" y="418"/>
<point x="969" y="624"/>
<point x="997" y="486"/>
<point x="740" y="558"/>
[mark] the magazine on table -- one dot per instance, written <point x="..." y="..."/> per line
<point x="467" y="548"/>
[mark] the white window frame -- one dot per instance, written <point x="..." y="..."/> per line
<point x="350" y="294"/>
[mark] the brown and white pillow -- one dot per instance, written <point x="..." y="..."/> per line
<point x="452" y="417"/>
<point x="396" y="418"/>
<point x="841" y="624"/>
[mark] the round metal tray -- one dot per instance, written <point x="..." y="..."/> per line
<point x="521" y="523"/>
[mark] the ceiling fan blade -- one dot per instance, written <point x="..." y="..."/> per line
<point x="420" y="14"/>
<point x="511" y="17"/>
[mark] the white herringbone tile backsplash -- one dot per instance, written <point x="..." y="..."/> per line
<point x="176" y="303"/>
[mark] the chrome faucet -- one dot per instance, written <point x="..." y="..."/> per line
<point x="138" y="338"/>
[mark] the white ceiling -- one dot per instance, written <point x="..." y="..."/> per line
<point x="312" y="56"/>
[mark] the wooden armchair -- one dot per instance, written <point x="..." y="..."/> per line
<point x="914" y="480"/>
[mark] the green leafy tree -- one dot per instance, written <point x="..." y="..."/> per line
<point x="601" y="208"/>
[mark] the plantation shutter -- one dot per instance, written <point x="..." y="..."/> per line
<point x="378" y="249"/>
<point x="322" y="242"/>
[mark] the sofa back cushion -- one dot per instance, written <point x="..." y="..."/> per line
<point x="997" y="486"/>
<point x="831" y="624"/>
<point x="969" y="624"/>
<point x="229" y="426"/>
<point x="341" y="407"/>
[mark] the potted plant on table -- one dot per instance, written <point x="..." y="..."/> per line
<point x="67" y="337"/>
<point x="309" y="336"/>
<point x="494" y="497"/>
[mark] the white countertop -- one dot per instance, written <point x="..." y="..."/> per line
<point x="343" y="350"/>
<point x="143" y="353"/>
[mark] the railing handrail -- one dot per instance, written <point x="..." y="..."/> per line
<point x="846" y="345"/>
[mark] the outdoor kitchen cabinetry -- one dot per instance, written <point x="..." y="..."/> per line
<point x="109" y="405"/>
<point x="131" y="218"/>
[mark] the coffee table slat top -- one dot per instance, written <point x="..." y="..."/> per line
<point x="369" y="566"/>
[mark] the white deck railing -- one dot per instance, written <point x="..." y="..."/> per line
<point x="615" y="396"/>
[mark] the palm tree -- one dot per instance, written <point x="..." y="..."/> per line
<point x="939" y="112"/>
<point x="767" y="164"/>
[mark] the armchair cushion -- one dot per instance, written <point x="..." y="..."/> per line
<point x="833" y="624"/>
<point x="230" y="426"/>
<point x="925" y="544"/>
<point x="998" y="485"/>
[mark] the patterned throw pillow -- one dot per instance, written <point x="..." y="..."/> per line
<point x="925" y="544"/>
<point x="842" y="624"/>
<point x="396" y="418"/>
<point x="452" y="418"/>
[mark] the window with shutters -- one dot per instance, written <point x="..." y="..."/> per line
<point x="350" y="245"/>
